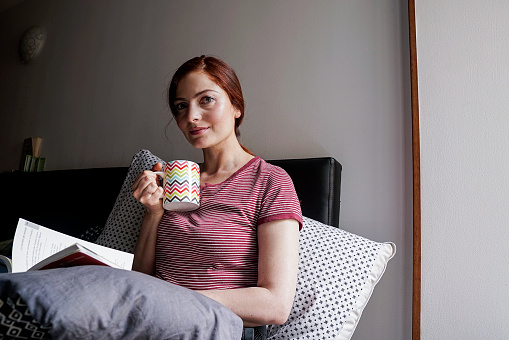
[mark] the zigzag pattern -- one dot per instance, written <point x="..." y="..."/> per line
<point x="182" y="182"/>
<point x="172" y="179"/>
<point x="183" y="165"/>
<point x="184" y="199"/>
<point x="182" y="191"/>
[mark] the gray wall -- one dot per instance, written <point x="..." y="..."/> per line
<point x="463" y="102"/>
<point x="321" y="78"/>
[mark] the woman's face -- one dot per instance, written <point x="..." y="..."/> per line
<point x="205" y="114"/>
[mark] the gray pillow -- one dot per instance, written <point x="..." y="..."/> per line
<point x="95" y="302"/>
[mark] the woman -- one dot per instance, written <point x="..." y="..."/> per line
<point x="240" y="247"/>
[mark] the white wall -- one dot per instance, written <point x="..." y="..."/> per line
<point x="327" y="78"/>
<point x="463" y="71"/>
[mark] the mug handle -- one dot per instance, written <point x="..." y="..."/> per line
<point x="161" y="174"/>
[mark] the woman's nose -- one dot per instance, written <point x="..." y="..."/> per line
<point x="193" y="114"/>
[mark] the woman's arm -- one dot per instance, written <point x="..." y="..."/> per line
<point x="144" y="252"/>
<point x="148" y="192"/>
<point x="271" y="301"/>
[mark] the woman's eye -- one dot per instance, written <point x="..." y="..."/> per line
<point x="180" y="106"/>
<point x="207" y="100"/>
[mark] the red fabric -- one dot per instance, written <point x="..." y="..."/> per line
<point x="215" y="246"/>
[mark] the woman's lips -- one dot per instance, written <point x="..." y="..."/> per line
<point x="197" y="131"/>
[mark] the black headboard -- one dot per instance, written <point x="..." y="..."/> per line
<point x="318" y="185"/>
<point x="46" y="197"/>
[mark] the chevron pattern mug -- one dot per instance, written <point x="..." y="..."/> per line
<point x="181" y="185"/>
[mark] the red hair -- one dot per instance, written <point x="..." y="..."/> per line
<point x="220" y="73"/>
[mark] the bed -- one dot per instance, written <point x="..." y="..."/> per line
<point x="337" y="270"/>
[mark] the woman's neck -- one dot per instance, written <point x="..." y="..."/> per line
<point x="219" y="164"/>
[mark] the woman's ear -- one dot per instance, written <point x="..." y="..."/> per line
<point x="237" y="114"/>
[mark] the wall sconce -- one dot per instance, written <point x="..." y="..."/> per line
<point x="30" y="44"/>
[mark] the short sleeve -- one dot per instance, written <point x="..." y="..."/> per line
<point x="279" y="200"/>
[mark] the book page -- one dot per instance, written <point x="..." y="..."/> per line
<point x="33" y="243"/>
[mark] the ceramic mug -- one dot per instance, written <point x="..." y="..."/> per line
<point x="181" y="187"/>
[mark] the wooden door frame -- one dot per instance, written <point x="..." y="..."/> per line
<point x="416" y="155"/>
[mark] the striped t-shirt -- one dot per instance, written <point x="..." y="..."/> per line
<point x="215" y="246"/>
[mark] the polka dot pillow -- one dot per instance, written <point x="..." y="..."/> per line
<point x="337" y="273"/>
<point x="123" y="225"/>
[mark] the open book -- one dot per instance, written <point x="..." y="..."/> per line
<point x="36" y="247"/>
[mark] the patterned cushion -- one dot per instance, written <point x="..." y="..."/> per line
<point x="337" y="273"/>
<point x="91" y="234"/>
<point x="123" y="225"/>
<point x="16" y="321"/>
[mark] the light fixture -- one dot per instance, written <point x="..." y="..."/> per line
<point x="30" y="44"/>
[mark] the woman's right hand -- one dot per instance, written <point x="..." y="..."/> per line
<point x="147" y="190"/>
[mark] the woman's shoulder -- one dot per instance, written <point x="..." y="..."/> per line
<point x="258" y="170"/>
<point x="271" y="174"/>
<point x="271" y="168"/>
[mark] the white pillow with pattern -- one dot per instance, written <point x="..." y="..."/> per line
<point x="338" y="271"/>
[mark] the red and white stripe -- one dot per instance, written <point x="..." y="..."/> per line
<point x="215" y="246"/>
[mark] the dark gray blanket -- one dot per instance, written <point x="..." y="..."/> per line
<point x="93" y="302"/>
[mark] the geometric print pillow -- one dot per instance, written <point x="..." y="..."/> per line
<point x="124" y="222"/>
<point x="338" y="271"/>
<point x="16" y="321"/>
